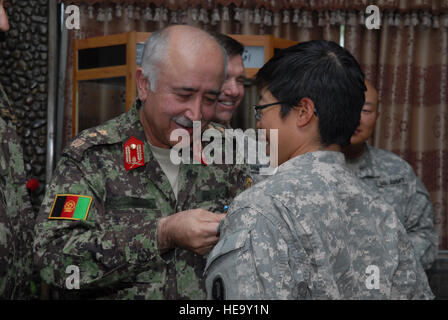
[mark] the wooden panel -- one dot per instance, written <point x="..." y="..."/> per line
<point x="283" y="43"/>
<point x="251" y="72"/>
<point x="142" y="36"/>
<point x="75" y="90"/>
<point x="252" y="41"/>
<point x="104" y="41"/>
<point x="131" y="61"/>
<point x="269" y="43"/>
<point x="101" y="73"/>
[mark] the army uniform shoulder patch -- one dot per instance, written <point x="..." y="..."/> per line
<point x="102" y="135"/>
<point x="70" y="207"/>
<point x="218" y="289"/>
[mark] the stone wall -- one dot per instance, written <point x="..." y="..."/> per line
<point x="23" y="74"/>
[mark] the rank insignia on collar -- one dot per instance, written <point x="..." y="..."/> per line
<point x="70" y="207"/>
<point x="134" y="156"/>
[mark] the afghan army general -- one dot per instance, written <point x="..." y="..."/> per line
<point x="136" y="225"/>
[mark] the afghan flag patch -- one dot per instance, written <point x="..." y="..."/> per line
<point x="70" y="207"/>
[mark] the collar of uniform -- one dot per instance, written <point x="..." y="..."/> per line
<point x="368" y="164"/>
<point x="331" y="157"/>
<point x="134" y="128"/>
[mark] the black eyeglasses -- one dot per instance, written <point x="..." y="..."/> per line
<point x="258" y="114"/>
<point x="257" y="109"/>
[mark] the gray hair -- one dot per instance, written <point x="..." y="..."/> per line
<point x="155" y="51"/>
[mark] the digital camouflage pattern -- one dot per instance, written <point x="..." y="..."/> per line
<point x="115" y="248"/>
<point x="310" y="232"/>
<point x="396" y="181"/>
<point x="16" y="214"/>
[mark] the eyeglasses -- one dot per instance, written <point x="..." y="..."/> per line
<point x="257" y="109"/>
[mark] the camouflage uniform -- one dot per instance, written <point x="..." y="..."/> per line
<point x="16" y="214"/>
<point x="115" y="248"/>
<point x="312" y="233"/>
<point x="395" y="180"/>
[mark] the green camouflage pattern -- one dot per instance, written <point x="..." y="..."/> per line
<point x="311" y="231"/>
<point x="115" y="248"/>
<point x="16" y="214"/>
<point x="396" y="181"/>
<point x="6" y="111"/>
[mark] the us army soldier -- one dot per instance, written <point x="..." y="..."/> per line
<point x="16" y="214"/>
<point x="312" y="230"/>
<point x="395" y="180"/>
<point x="136" y="224"/>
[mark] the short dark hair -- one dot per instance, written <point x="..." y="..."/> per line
<point x="232" y="46"/>
<point x="327" y="74"/>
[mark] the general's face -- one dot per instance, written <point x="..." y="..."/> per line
<point x="232" y="91"/>
<point x="369" y="115"/>
<point x="4" y="24"/>
<point x="271" y="119"/>
<point x="187" y="90"/>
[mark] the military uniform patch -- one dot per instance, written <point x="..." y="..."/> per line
<point x="218" y="289"/>
<point x="70" y="207"/>
<point x="249" y="182"/>
<point x="134" y="156"/>
<point x="78" y="142"/>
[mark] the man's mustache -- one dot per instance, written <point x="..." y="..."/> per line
<point x="183" y="121"/>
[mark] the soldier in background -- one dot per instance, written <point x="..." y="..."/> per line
<point x="230" y="98"/>
<point x="313" y="230"/>
<point x="395" y="180"/>
<point x="16" y="214"/>
<point x="133" y="223"/>
<point x="232" y="91"/>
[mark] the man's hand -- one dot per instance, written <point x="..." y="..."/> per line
<point x="194" y="230"/>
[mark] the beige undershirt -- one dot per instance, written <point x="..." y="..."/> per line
<point x="171" y="170"/>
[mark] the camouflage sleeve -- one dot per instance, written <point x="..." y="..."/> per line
<point x="409" y="280"/>
<point x="6" y="252"/>
<point x="106" y="252"/>
<point x="405" y="285"/>
<point x="420" y="224"/>
<point x="254" y="263"/>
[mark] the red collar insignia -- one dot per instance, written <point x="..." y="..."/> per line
<point x="134" y="156"/>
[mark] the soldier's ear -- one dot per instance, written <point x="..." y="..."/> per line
<point x="304" y="111"/>
<point x="142" y="85"/>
